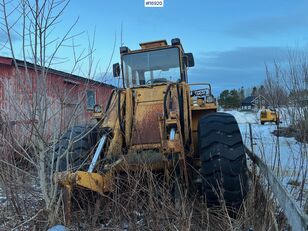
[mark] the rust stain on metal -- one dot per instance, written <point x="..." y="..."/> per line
<point x="146" y="125"/>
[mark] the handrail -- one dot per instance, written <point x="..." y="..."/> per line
<point x="296" y="217"/>
<point x="202" y="83"/>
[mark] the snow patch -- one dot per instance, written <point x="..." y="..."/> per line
<point x="58" y="228"/>
<point x="284" y="152"/>
<point x="244" y="117"/>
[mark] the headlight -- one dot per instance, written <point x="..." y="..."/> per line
<point x="209" y="99"/>
<point x="97" y="108"/>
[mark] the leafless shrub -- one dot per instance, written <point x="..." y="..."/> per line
<point x="143" y="200"/>
<point x="287" y="88"/>
<point x="31" y="122"/>
<point x="291" y="78"/>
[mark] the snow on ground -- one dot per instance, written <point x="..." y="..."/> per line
<point x="244" y="117"/>
<point x="286" y="152"/>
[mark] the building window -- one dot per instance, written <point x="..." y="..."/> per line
<point x="90" y="99"/>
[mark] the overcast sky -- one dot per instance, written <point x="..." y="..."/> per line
<point x="231" y="40"/>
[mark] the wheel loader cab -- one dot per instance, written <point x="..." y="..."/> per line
<point x="154" y="76"/>
<point x="157" y="78"/>
<point x="159" y="99"/>
<point x="155" y="63"/>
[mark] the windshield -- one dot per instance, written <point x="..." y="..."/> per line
<point x="160" y="66"/>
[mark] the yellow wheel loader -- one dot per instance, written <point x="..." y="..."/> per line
<point x="269" y="115"/>
<point x="158" y="120"/>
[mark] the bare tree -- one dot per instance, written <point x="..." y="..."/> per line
<point x="274" y="91"/>
<point x="31" y="42"/>
<point x="290" y="79"/>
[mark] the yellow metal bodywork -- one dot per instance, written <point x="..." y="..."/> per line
<point x="94" y="181"/>
<point x="147" y="127"/>
<point x="268" y="115"/>
<point x="197" y="113"/>
<point x="128" y="116"/>
<point x="111" y="122"/>
<point x="154" y="44"/>
<point x="199" y="108"/>
<point x="148" y="107"/>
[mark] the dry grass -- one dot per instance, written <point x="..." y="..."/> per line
<point x="142" y="200"/>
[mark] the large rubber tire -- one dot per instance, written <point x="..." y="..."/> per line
<point x="79" y="141"/>
<point x="223" y="168"/>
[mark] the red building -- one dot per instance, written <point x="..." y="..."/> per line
<point x="60" y="98"/>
